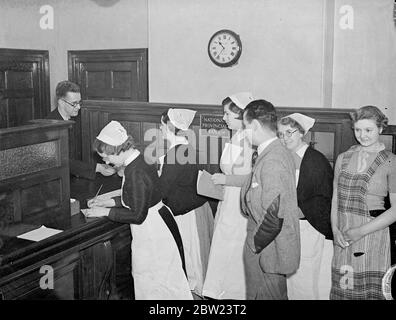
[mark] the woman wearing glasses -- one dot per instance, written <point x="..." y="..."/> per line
<point x="314" y="180"/>
<point x="225" y="278"/>
<point x="363" y="176"/>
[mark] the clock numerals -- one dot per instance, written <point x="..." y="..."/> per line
<point x="224" y="48"/>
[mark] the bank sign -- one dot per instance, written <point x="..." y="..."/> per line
<point x="213" y="125"/>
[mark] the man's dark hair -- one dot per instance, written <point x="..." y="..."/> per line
<point x="264" y="112"/>
<point x="63" y="87"/>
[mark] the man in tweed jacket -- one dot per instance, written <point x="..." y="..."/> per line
<point x="269" y="200"/>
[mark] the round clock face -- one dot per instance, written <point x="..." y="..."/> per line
<point x="224" y="48"/>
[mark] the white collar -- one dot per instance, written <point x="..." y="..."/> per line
<point x="132" y="157"/>
<point x="301" y="151"/>
<point x="178" y="140"/>
<point x="264" y="145"/>
<point x="376" y="148"/>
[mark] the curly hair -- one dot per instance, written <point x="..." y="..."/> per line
<point x="371" y="113"/>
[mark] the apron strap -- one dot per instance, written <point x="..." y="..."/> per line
<point x="170" y="222"/>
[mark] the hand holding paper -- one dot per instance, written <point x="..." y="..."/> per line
<point x="206" y="187"/>
<point x="219" y="178"/>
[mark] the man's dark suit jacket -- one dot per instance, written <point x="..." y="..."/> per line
<point x="77" y="167"/>
<point x="315" y="190"/>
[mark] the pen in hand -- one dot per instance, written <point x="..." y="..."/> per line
<point x="91" y="202"/>
<point x="97" y="193"/>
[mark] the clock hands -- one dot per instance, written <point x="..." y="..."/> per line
<point x="224" y="48"/>
<point x="220" y="52"/>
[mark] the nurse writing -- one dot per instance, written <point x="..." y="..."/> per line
<point x="157" y="266"/>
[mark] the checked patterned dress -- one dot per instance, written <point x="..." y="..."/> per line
<point x="366" y="260"/>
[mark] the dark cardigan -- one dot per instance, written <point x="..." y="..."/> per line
<point x="315" y="190"/>
<point x="179" y="180"/>
<point x="140" y="192"/>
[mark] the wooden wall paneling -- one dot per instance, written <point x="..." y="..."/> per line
<point x="24" y="86"/>
<point x="332" y="121"/>
<point x="117" y="74"/>
<point x="391" y="131"/>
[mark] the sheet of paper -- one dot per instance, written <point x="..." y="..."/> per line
<point x="39" y="234"/>
<point x="206" y="187"/>
<point x="111" y="194"/>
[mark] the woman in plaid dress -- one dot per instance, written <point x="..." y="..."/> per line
<point x="363" y="176"/>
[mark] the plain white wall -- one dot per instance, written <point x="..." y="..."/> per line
<point x="365" y="57"/>
<point x="281" y="58"/>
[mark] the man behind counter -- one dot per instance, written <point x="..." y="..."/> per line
<point x="68" y="101"/>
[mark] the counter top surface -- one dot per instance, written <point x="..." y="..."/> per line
<point x="15" y="252"/>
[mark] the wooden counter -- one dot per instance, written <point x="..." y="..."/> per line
<point x="90" y="259"/>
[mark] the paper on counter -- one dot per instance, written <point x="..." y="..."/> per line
<point x="39" y="234"/>
<point x="108" y="195"/>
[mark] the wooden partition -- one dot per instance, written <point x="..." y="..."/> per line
<point x="142" y="121"/>
<point x="331" y="134"/>
<point x="34" y="172"/>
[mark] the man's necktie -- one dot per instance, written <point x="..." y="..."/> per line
<point x="254" y="157"/>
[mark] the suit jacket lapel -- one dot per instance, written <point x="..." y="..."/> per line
<point x="268" y="149"/>
<point x="248" y="185"/>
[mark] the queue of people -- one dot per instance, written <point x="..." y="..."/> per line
<point x="288" y="227"/>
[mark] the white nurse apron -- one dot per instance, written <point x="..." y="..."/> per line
<point x="156" y="264"/>
<point x="312" y="280"/>
<point x="225" y="277"/>
<point x="191" y="243"/>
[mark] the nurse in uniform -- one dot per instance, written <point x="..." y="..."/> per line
<point x="157" y="267"/>
<point x="314" y="179"/>
<point x="178" y="179"/>
<point x="225" y="278"/>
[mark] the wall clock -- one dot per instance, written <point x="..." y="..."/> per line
<point x="224" y="48"/>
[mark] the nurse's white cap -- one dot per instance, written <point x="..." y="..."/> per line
<point x="181" y="118"/>
<point x="242" y="99"/>
<point x="304" y="121"/>
<point x="113" y="134"/>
